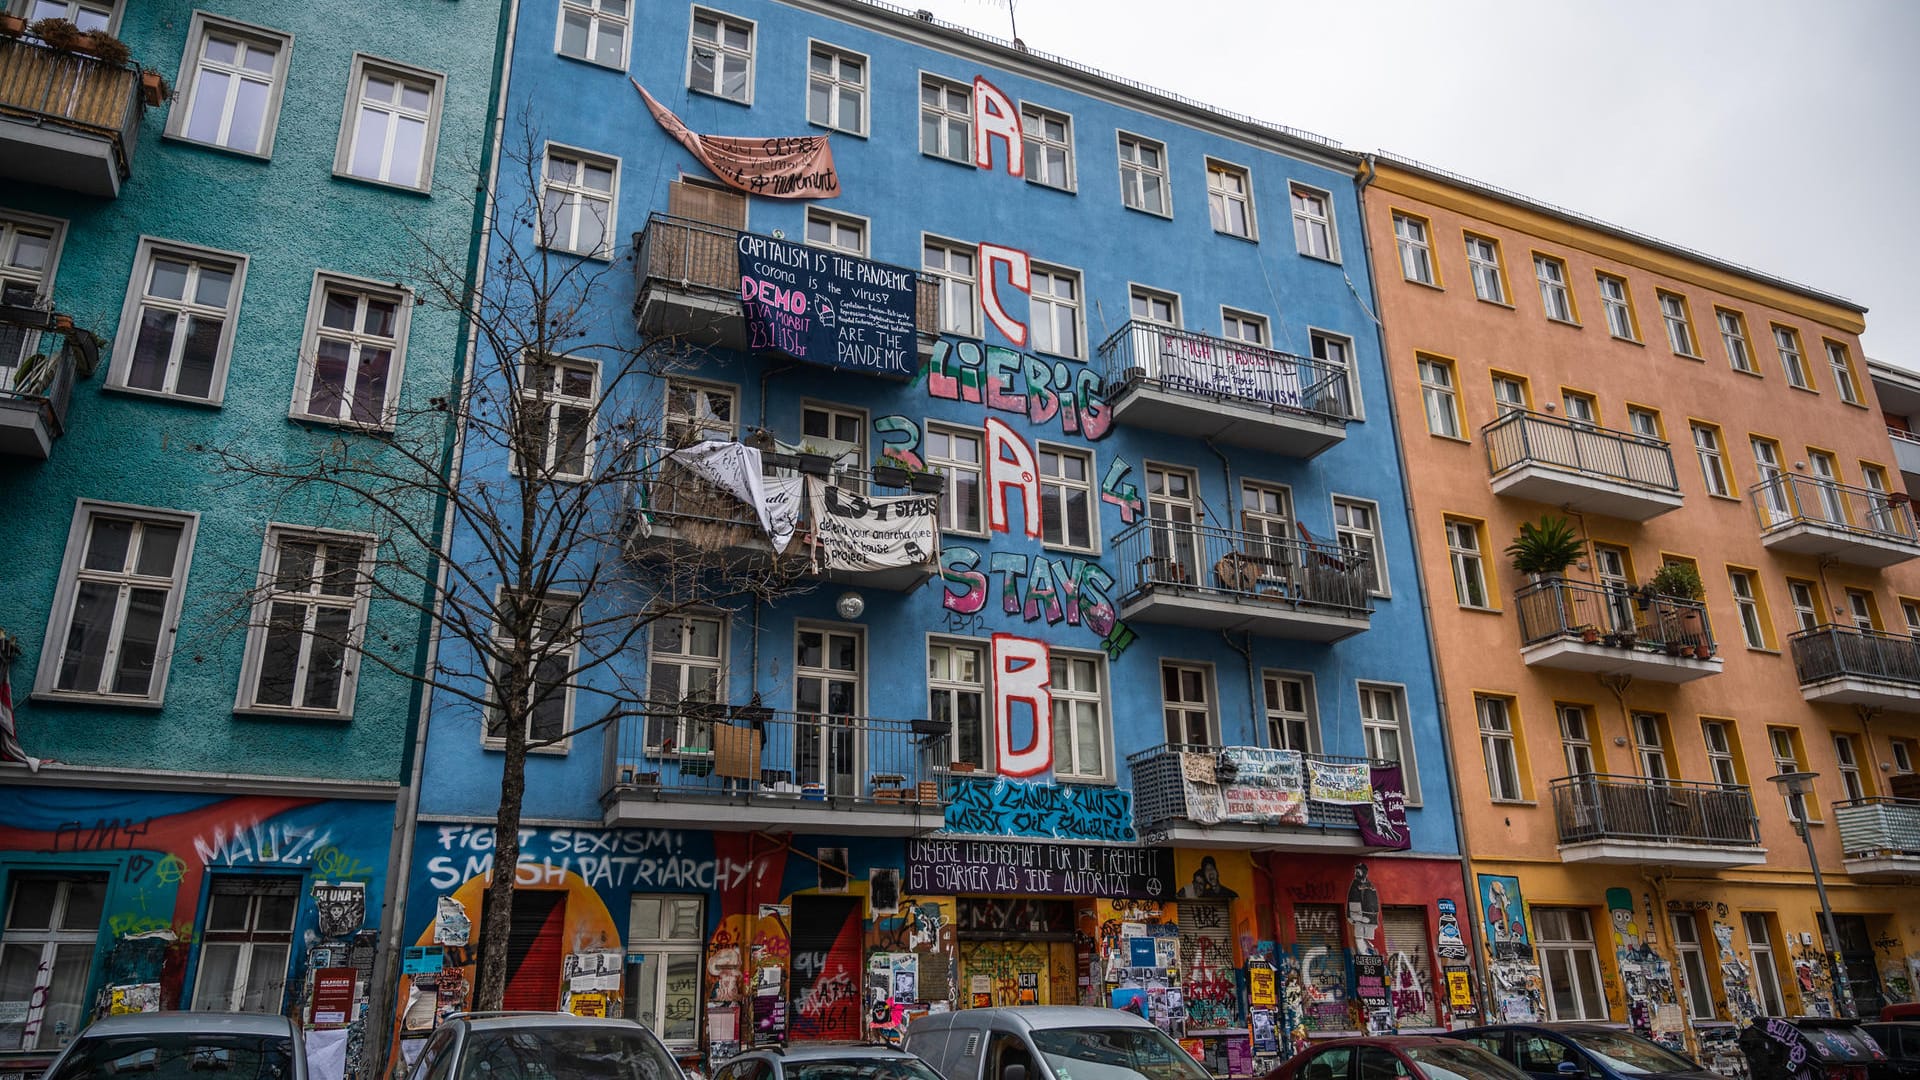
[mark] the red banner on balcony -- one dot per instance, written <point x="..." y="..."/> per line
<point x="796" y="167"/>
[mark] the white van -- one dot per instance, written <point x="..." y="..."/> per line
<point x="1049" y="1042"/>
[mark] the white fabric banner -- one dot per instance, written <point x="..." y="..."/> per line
<point x="861" y="532"/>
<point x="735" y="467"/>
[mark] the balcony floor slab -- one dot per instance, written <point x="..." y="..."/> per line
<point x="660" y="807"/>
<point x="1305" y="840"/>
<point x="1857" y="690"/>
<point x="1224" y="420"/>
<point x="1203" y="609"/>
<point x="24" y="431"/>
<point x="57" y="157"/>
<point x="1874" y="550"/>
<point x="1572" y="654"/>
<point x="1663" y="853"/>
<point x="1586" y="493"/>
<point x="1890" y="866"/>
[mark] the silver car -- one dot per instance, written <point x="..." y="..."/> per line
<point x="185" y="1046"/>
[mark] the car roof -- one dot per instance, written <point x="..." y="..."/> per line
<point x="1043" y="1017"/>
<point x="1387" y="1040"/>
<point x="1561" y="1026"/>
<point x="831" y="1052"/>
<point x="488" y="1021"/>
<point x="202" y="1023"/>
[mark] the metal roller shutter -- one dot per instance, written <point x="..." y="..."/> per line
<point x="1206" y="965"/>
<point x="534" y="951"/>
<point x="1410" y="967"/>
<point x="826" y="976"/>
<point x="1319" y="943"/>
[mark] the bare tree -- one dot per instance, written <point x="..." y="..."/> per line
<point x="528" y="477"/>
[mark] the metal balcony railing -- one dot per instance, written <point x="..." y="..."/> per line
<point x="1871" y="827"/>
<point x="1903" y="435"/>
<point x="1231" y="563"/>
<point x="1183" y="362"/>
<point x="1520" y="438"/>
<point x="49" y="388"/>
<point x="1833" y="652"/>
<point x="1787" y="499"/>
<point x="1595" y="808"/>
<point x="695" y="748"/>
<point x="1621" y="618"/>
<point x="1160" y="789"/>
<point x="81" y="93"/>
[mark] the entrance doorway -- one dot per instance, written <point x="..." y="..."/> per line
<point x="1863" y="972"/>
<point x="1016" y="951"/>
<point x="825" y="985"/>
<point x="535" y="950"/>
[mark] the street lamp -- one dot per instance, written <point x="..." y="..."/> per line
<point x="1799" y="786"/>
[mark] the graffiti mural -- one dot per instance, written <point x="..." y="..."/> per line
<point x="1117" y="491"/>
<point x="1735" y="976"/>
<point x="1045" y="391"/>
<point x="1005" y="807"/>
<point x="1034" y="588"/>
<point x="1515" y="990"/>
<point x="1647" y="978"/>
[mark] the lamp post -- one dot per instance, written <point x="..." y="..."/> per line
<point x="1800" y="785"/>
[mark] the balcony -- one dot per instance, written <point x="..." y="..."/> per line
<point x="1880" y="838"/>
<point x="1210" y="578"/>
<point x="67" y="120"/>
<point x="1806" y="515"/>
<point x="1630" y="820"/>
<point x="1200" y="387"/>
<point x="1575" y="626"/>
<point x="33" y="397"/>
<point x="1906" y="451"/>
<point x="1841" y="665"/>
<point x="688" y="278"/>
<point x="1582" y="467"/>
<point x="739" y="768"/>
<point x="1170" y="807"/>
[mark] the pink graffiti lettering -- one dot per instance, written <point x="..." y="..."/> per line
<point x="1011" y="381"/>
<point x="1116" y="491"/>
<point x="1021" y="678"/>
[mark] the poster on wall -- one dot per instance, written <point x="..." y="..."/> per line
<point x="1448" y="944"/>
<point x="1506" y="918"/>
<point x="781" y="167"/>
<point x="859" y="533"/>
<point x="1383" y="821"/>
<point x="828" y="308"/>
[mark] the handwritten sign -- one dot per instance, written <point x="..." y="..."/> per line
<point x="949" y="866"/>
<point x="794" y="167"/>
<point x="1345" y="785"/>
<point x="828" y="307"/>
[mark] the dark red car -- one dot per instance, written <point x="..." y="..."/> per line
<point x="1395" y="1057"/>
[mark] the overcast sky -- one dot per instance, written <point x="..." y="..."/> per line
<point x="1781" y="135"/>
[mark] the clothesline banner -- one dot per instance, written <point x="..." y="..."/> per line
<point x="1340" y="785"/>
<point x="856" y="532"/>
<point x="782" y="167"/>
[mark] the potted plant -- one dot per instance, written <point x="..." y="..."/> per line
<point x="1674" y="648"/>
<point x="57" y="34"/>
<point x="1680" y="581"/>
<point x="12" y="25"/>
<point x="815" y="463"/>
<point x="1588" y="632"/>
<point x="1629" y="639"/>
<point x="890" y="474"/>
<point x="1703" y="651"/>
<point x="154" y="88"/>
<point x="33" y="376"/>
<point x="1545" y="549"/>
<point x="26" y="315"/>
<point x="106" y="47"/>
<point x="926" y="481"/>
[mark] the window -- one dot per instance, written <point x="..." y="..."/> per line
<point x="686" y="678"/>
<point x="1437" y="394"/>
<point x="1067" y="499"/>
<point x="1336" y="353"/>
<point x="578" y="200"/>
<point x="558" y="399"/>
<point x="1569" y="964"/>
<point x="838" y="232"/>
<point x="837" y="89"/>
<point x="665" y="941"/>
<point x="1509" y="394"/>
<point x="1173" y="507"/>
<point x="1230" y="199"/>
<point x="1848" y="759"/>
<point x="839" y="433"/>
<point x="1650" y="745"/>
<point x="1313" y="222"/>
<point x="232" y="77"/>
<point x="308" y="614"/>
<point x="1843" y="380"/>
<point x="1693" y="965"/>
<point x="946" y="119"/>
<point x="1290" y="709"/>
<point x="1910" y="611"/>
<point x="1054" y="312"/>
<point x="829" y="691"/>
<point x="1356" y="528"/>
<point x="181" y="307"/>
<point x="85" y="14"/>
<point x="1582" y="409"/>
<point x="1902" y="750"/>
<point x="1645" y="423"/>
<point x="1576" y="739"/>
<point x="1786" y="341"/>
<point x="1469" y="570"/>
<point x="959" y="454"/>
<point x="350" y="361"/>
<point x="720" y="56"/>
<point x="1497" y="746"/>
<point x="1786" y="759"/>
<point x="1079" y="715"/>
<point x="29" y="253"/>
<point x="1673" y="309"/>
<point x="46" y="954"/>
<point x="1416" y="251"/>
<point x="1806" y="611"/>
<point x="1154" y="306"/>
<point x="1483" y="259"/>
<point x="1864" y="612"/>
<point x="1747" y="601"/>
<point x="1266" y="517"/>
<point x="118" y="601"/>
<point x="951" y="266"/>
<point x="957" y="699"/>
<point x="1185" y="701"/>
<point x="1613" y="571"/>
<point x="1773" y="495"/>
<point x="1049" y="150"/>
<point x="1826" y="480"/>
<point x="1721" y="763"/>
<point x="698" y="411"/>
<point x="1733" y="334"/>
<point x="246" y="944"/>
<point x="1713" y="464"/>
<point x="552" y="645"/>
<point x="1383" y="725"/>
<point x="1243" y="326"/>
<point x="1551" y="273"/>
<point x="594" y="30"/>
<point x="1143" y="175"/>
<point x="1619" y="307"/>
<point x="392" y="124"/>
<point x="1766" y="977"/>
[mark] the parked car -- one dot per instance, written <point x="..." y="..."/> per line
<point x="1808" y="1048"/>
<point x="184" y="1046"/>
<point x="1900" y="1041"/>
<point x="1599" y="1051"/>
<point x="1418" y="1057"/>
<point x="826" y="1061"/>
<point x="541" y="1046"/>
<point x="1075" y="1043"/>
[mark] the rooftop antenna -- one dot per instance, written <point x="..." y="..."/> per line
<point x="1013" y="24"/>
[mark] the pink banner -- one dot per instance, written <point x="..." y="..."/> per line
<point x="800" y="167"/>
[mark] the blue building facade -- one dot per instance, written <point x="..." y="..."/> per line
<point x="213" y="257"/>
<point x="1104" y="678"/>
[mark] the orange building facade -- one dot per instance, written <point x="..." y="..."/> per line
<point x="1614" y="742"/>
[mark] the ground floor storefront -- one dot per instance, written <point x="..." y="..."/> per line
<point x="123" y="900"/>
<point x="719" y="940"/>
<point x="1689" y="957"/>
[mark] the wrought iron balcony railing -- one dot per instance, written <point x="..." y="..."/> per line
<point x="1834" y="652"/>
<point x="1621" y="618"/>
<point x="1594" y="808"/>
<point x="811" y="759"/>
<point x="85" y="94"/>
<point x="1520" y="438"/>
<point x="1183" y="362"/>
<point x="1872" y="827"/>
<point x="1231" y="563"/>
<point x="1785" y="500"/>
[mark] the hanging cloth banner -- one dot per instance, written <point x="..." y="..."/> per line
<point x="1383" y="822"/>
<point x="10" y="748"/>
<point x="1261" y="785"/>
<point x="1343" y="785"/>
<point x="795" y="167"/>
<point x="735" y="468"/>
<point x="859" y="532"/>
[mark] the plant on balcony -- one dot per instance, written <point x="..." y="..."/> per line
<point x="154" y="88"/>
<point x="109" y="49"/>
<point x="1678" y="581"/>
<point x="59" y="35"/>
<point x="1544" y="549"/>
<point x="12" y="25"/>
<point x="34" y="375"/>
<point x="815" y="462"/>
<point x="890" y="474"/>
<point x="924" y="479"/>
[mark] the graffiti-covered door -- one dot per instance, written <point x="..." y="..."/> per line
<point x="1016" y="973"/>
<point x="663" y="985"/>
<point x="1323" y="967"/>
<point x="1863" y="975"/>
<point x="1207" y="964"/>
<point x="826" y="968"/>
<point x="1410" y="967"/>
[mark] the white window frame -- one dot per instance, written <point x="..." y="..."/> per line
<point x="1104" y="713"/>
<point x="12" y="224"/>
<point x="1793" y="357"/>
<point x="1902" y="753"/>
<point x="721" y="20"/>
<point x="1498" y="747"/>
<point x="580" y="194"/>
<point x="1846" y="757"/>
<point x="200" y="28"/>
<point x="247" y="941"/>
<point x="847" y="454"/>
<point x="597" y="23"/>
<point x="1618" y="308"/>
<point x="1713" y="459"/>
<point x="552" y="400"/>
<point x="1038" y="143"/>
<point x="1721" y="767"/>
<point x="946" y="147"/>
<point x="1747" y="603"/>
<point x="838" y="84"/>
<point x="1799" y="807"/>
<point x="1766" y="974"/>
<point x="949" y="466"/>
<point x="1485" y="270"/>
<point x="1910" y="612"/>
<point x="570" y="656"/>
<point x="1805" y="604"/>
<point x="1840" y="359"/>
<point x="325" y="281"/>
<point x="364" y="66"/>
<point x="694" y="423"/>
<point x="1090" y="487"/>
<point x="1045" y="306"/>
<point x="1317" y="342"/>
<point x="1221" y="199"/>
<point x="1675" y="313"/>
<point x="51" y="939"/>
<point x="685" y="661"/>
<point x="1372" y="539"/>
<point x="1469" y="564"/>
<point x="1733" y="336"/>
<point x="69" y="8"/>
<point x="1441" y="400"/>
<point x="1556" y="292"/>
<point x="1371" y="693"/>
<point x="60" y="619"/>
<point x="151" y="249"/>
<point x="838" y="223"/>
<point x="1135" y="174"/>
<point x="951" y="284"/>
<point x="1234" y="325"/>
<point x="1509" y="393"/>
<point x="1305" y="220"/>
<point x="1413" y="236"/>
<point x="1137" y="294"/>
<point x="279" y="534"/>
<point x="1649" y="732"/>
<point x="1571" y="950"/>
<point x="1576" y="746"/>
<point x="1209" y="703"/>
<point x="955" y="687"/>
<point x="1280" y="717"/>
<point x="659" y="948"/>
<point x="819" y="728"/>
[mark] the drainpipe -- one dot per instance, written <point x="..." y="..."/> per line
<point x="1245" y="650"/>
<point x="1362" y="180"/>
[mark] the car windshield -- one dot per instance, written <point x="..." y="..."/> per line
<point x="1630" y="1055"/>
<point x="1115" y="1053"/>
<point x="184" y="1055"/>
<point x="1460" y="1061"/>
<point x="565" y="1053"/>
<point x="887" y="1068"/>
